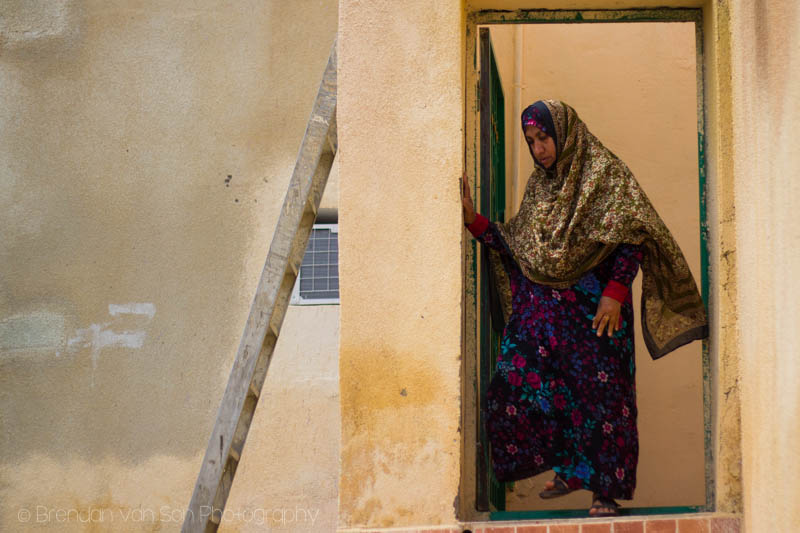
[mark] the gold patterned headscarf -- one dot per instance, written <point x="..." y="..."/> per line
<point x="571" y="219"/>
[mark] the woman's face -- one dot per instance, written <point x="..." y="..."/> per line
<point x="541" y="146"/>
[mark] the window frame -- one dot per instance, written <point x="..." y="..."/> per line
<point x="296" y="299"/>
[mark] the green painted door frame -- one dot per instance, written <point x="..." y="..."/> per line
<point x="490" y="492"/>
<point x="487" y="489"/>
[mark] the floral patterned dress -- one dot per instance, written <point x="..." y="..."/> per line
<point x="563" y="398"/>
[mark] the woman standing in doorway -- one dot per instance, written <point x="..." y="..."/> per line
<point x="563" y="396"/>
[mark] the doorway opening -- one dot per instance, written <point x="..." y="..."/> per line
<point x="636" y="80"/>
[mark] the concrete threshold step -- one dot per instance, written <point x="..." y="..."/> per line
<point x="681" y="523"/>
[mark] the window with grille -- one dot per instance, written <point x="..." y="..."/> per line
<point x="318" y="280"/>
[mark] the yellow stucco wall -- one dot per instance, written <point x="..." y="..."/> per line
<point x="365" y="426"/>
<point x="401" y="143"/>
<point x="129" y="263"/>
<point x="766" y="159"/>
<point x="725" y="429"/>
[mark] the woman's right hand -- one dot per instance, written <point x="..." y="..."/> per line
<point x="466" y="201"/>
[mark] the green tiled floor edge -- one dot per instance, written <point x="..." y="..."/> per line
<point x="583" y="513"/>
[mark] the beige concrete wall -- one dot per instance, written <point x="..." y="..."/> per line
<point x="635" y="87"/>
<point x="146" y="148"/>
<point x="766" y="111"/>
<point x="400" y="118"/>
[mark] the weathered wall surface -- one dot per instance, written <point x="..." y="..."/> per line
<point x="766" y="110"/>
<point x="400" y="132"/>
<point x="289" y="474"/>
<point x="723" y="287"/>
<point x="146" y="148"/>
<point x="634" y="84"/>
<point x="475" y="5"/>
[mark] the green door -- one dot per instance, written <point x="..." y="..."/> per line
<point x="490" y="493"/>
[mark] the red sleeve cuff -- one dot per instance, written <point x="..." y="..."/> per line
<point x="616" y="290"/>
<point x="478" y="225"/>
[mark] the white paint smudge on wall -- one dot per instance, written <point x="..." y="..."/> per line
<point x="132" y="309"/>
<point x="98" y="337"/>
<point x="101" y="336"/>
<point x="44" y="331"/>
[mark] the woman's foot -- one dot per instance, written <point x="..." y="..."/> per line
<point x="602" y="506"/>
<point x="555" y="488"/>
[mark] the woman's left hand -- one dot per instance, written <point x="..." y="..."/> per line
<point x="607" y="316"/>
<point x="466" y="201"/>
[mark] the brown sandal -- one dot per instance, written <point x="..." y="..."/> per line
<point x="601" y="502"/>
<point x="560" y="488"/>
